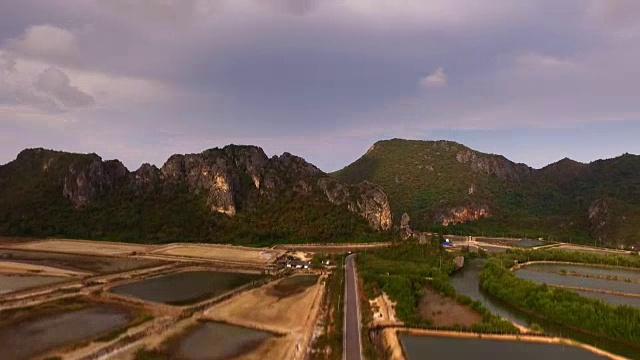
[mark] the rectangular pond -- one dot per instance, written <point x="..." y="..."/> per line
<point x="35" y="336"/>
<point x="419" y="347"/>
<point x="623" y="273"/>
<point x="216" y="341"/>
<point x="185" y="287"/>
<point x="16" y="282"/>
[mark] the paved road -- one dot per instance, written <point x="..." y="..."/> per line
<point x="352" y="345"/>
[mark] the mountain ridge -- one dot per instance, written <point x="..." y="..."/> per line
<point x="448" y="187"/>
<point x="215" y="195"/>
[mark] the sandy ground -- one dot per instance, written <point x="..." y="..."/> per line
<point x="444" y="311"/>
<point x="294" y="316"/>
<point x="83" y="247"/>
<point x="384" y="311"/>
<point x="221" y="253"/>
<point x="21" y="268"/>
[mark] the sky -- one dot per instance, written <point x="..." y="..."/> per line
<point x="140" y="80"/>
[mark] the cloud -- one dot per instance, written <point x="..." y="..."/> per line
<point x="294" y="7"/>
<point x="533" y="61"/>
<point x="7" y="62"/>
<point x="55" y="83"/>
<point x="218" y="71"/>
<point x="46" y="42"/>
<point x="436" y="79"/>
<point x="168" y="12"/>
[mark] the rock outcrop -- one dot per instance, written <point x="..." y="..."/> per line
<point x="462" y="214"/>
<point x="495" y="165"/>
<point x="229" y="179"/>
<point x="365" y="199"/>
<point x="405" y="228"/>
<point x="85" y="181"/>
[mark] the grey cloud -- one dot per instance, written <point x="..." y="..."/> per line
<point x="56" y="83"/>
<point x="346" y="67"/>
<point x="46" y="42"/>
<point x="168" y="12"/>
<point x="7" y="62"/>
<point x="616" y="12"/>
<point x="294" y="7"/>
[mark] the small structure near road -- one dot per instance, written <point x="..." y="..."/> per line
<point x="298" y="264"/>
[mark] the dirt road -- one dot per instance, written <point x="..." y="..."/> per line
<point x="352" y="345"/>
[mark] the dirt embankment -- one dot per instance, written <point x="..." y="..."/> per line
<point x="392" y="345"/>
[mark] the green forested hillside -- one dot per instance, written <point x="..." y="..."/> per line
<point x="442" y="182"/>
<point x="143" y="208"/>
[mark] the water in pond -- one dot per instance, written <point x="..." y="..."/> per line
<point x="15" y="282"/>
<point x="32" y="337"/>
<point x="214" y="341"/>
<point x="552" y="278"/>
<point x="431" y="347"/>
<point x="185" y="287"/>
<point x="623" y="273"/>
<point x="528" y="243"/>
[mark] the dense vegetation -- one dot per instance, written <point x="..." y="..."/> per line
<point x="558" y="305"/>
<point x="401" y="271"/>
<point x="510" y="256"/>
<point x="32" y="204"/>
<point x="428" y="179"/>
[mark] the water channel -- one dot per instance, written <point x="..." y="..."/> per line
<point x="467" y="280"/>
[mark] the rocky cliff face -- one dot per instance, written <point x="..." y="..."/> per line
<point x="84" y="182"/>
<point x="463" y="214"/>
<point x="229" y="179"/>
<point x="611" y="220"/>
<point x="495" y="165"/>
<point x="365" y="199"/>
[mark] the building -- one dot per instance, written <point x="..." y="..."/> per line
<point x="298" y="264"/>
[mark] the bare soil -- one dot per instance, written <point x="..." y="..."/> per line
<point x="222" y="253"/>
<point x="384" y="311"/>
<point x="443" y="311"/>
